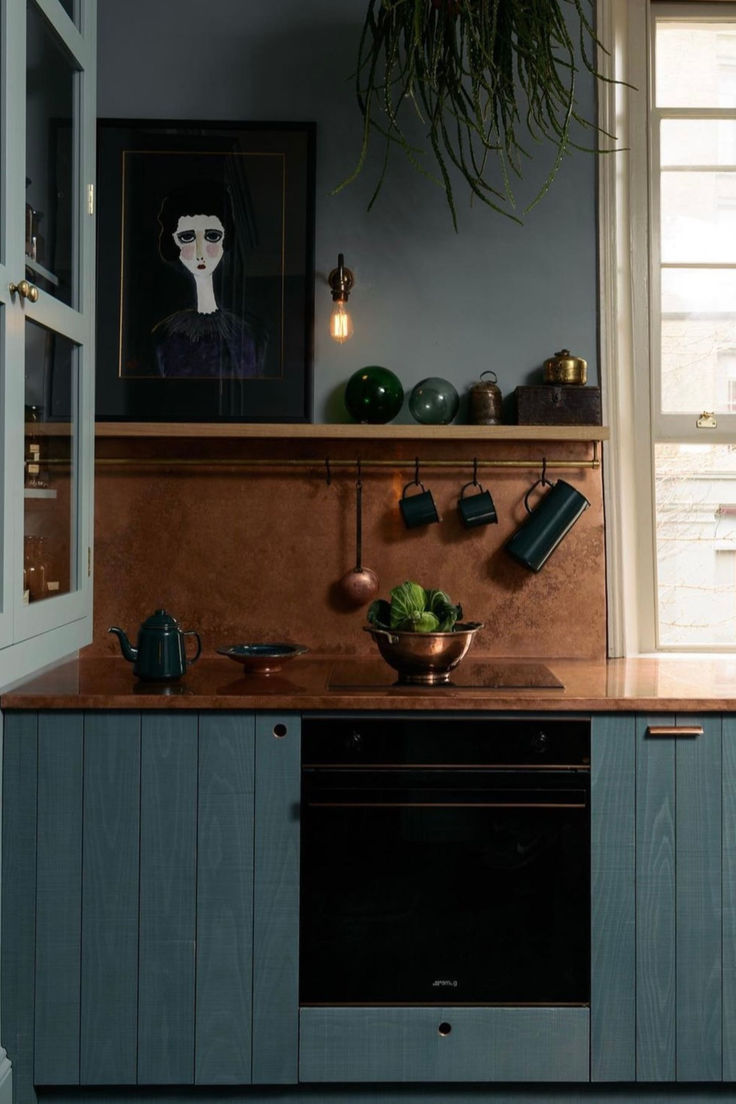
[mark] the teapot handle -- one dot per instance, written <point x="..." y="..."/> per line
<point x="191" y="632"/>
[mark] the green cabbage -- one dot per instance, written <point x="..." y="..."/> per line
<point x="408" y="603"/>
<point x="414" y="609"/>
<point x="379" y="614"/>
<point x="444" y="609"/>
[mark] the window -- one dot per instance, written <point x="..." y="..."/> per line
<point x="669" y="322"/>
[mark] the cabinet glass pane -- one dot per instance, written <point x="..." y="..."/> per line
<point x="50" y="464"/>
<point x="50" y="222"/>
<point x="68" y="6"/>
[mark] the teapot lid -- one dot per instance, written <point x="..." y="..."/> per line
<point x="160" y="621"/>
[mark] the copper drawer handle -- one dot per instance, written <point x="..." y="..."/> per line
<point x="674" y="730"/>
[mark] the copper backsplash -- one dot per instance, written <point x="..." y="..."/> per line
<point x="254" y="553"/>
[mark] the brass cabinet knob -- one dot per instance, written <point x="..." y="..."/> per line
<point x="25" y="290"/>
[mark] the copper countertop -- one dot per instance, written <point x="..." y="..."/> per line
<point x="656" y="684"/>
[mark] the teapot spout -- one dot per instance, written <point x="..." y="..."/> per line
<point x="129" y="653"/>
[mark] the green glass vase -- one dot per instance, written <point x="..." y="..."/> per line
<point x="434" y="401"/>
<point x="373" y="395"/>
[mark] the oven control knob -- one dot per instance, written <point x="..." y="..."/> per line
<point x="540" y="742"/>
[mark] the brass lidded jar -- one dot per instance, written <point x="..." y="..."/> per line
<point x="485" y="401"/>
<point x="563" y="367"/>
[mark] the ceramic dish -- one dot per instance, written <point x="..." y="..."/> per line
<point x="262" y="659"/>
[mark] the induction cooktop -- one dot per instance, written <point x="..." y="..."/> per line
<point x="490" y="674"/>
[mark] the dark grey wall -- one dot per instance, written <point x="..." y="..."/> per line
<point x="427" y="301"/>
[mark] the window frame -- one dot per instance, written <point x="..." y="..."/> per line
<point x="629" y="290"/>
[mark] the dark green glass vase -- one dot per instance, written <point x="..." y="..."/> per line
<point x="373" y="395"/>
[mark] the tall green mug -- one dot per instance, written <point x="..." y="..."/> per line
<point x="548" y="522"/>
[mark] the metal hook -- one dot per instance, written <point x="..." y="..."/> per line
<point x="542" y="482"/>
<point x="328" y="473"/>
<point x="475" y="471"/>
<point x="416" y="469"/>
<point x="358" y="479"/>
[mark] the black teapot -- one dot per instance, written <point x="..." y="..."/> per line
<point x="161" y="652"/>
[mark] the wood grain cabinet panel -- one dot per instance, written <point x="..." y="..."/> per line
<point x="664" y="910"/>
<point x="612" y="879"/>
<point x="150" y="916"/>
<point x="444" y="1044"/>
<point x="150" y="904"/>
<point x="679" y="900"/>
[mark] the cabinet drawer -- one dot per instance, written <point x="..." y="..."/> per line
<point x="414" y="1044"/>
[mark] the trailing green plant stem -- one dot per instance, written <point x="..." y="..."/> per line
<point x="483" y="78"/>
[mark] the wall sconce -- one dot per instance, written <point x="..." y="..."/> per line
<point x="341" y="283"/>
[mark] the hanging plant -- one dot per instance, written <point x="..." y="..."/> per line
<point x="482" y="76"/>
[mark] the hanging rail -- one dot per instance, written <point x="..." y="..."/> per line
<point x="334" y="464"/>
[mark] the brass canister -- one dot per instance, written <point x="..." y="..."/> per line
<point x="565" y="368"/>
<point x="485" y="401"/>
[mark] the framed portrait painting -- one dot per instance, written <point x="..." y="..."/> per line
<point x="205" y="271"/>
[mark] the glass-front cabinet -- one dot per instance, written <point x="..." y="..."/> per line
<point x="47" y="264"/>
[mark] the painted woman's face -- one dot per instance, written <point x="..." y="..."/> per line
<point x="199" y="239"/>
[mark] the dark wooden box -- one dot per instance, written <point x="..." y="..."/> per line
<point x="558" y="404"/>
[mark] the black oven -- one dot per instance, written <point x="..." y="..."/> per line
<point x="445" y="860"/>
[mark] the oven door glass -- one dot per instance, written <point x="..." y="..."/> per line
<point x="447" y="887"/>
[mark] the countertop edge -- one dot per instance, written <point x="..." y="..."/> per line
<point x="642" y="685"/>
<point x="365" y="703"/>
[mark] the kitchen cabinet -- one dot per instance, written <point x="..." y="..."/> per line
<point x="682" y="794"/>
<point x="150" y="898"/>
<point x="150" y="917"/>
<point x="665" y="1009"/>
<point x="47" y="268"/>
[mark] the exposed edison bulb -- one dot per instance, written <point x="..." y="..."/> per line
<point x="341" y="324"/>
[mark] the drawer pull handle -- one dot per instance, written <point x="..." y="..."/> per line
<point x="674" y="730"/>
<point x="444" y="1028"/>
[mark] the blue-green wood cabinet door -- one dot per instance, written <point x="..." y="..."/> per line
<point x="612" y="880"/>
<point x="664" y="898"/>
<point x="158" y="867"/>
<point x="679" y="905"/>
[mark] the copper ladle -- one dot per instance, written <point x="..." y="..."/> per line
<point x="360" y="584"/>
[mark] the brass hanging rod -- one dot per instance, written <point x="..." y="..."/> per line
<point x="317" y="463"/>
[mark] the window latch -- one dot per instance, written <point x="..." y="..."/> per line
<point x="707" y="420"/>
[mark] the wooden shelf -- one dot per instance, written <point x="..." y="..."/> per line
<point x="39" y="492"/>
<point x="262" y="430"/>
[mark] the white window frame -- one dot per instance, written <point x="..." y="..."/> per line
<point x="627" y="341"/>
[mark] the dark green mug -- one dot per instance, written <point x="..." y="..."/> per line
<point x="548" y="522"/>
<point x="477" y="508"/>
<point x="418" y="509"/>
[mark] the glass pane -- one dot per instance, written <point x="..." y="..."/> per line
<point x="697" y="142"/>
<point x="49" y="216"/>
<point x="696" y="291"/>
<point x="50" y="464"/>
<point x="696" y="544"/>
<point x="698" y="364"/>
<point x="698" y="217"/>
<point x="68" y="6"/>
<point x="695" y="64"/>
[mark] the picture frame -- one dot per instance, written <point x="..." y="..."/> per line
<point x="208" y="314"/>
